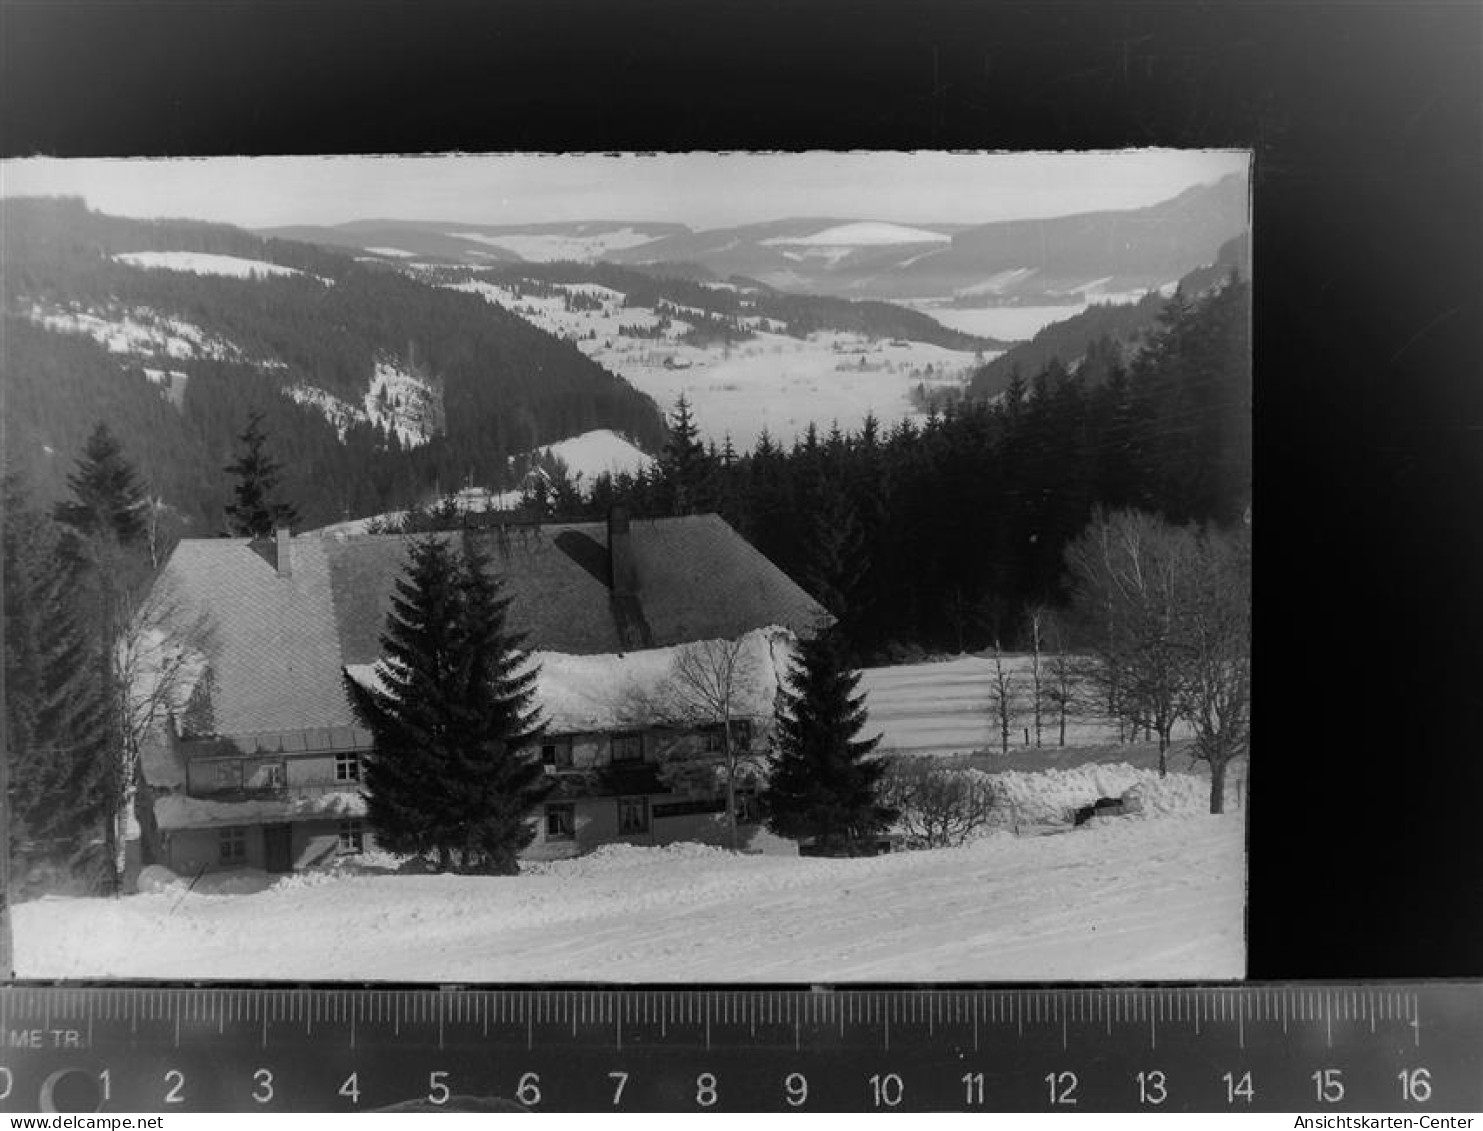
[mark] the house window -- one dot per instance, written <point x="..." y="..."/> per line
<point x="232" y="845"/>
<point x="352" y="839"/>
<point x="710" y="741"/>
<point x="633" y="815"/>
<point x="557" y="754"/>
<point x="628" y="748"/>
<point x="561" y="822"/>
<point x="229" y="775"/>
<point x="347" y="767"/>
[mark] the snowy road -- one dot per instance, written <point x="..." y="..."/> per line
<point x="1133" y="899"/>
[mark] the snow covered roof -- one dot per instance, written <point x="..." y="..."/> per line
<point x="282" y="640"/>
<point x="611" y="692"/>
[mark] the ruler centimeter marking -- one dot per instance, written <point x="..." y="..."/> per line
<point x="1357" y="1036"/>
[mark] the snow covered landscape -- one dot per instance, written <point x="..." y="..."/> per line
<point x="340" y="775"/>
<point x="773" y="381"/>
<point x="536" y="247"/>
<point x="1134" y="898"/>
<point x="1157" y="893"/>
<point x="139" y="331"/>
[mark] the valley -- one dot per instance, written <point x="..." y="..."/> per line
<point x="765" y="381"/>
<point x="432" y="356"/>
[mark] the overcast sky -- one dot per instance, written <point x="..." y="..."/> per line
<point x="702" y="190"/>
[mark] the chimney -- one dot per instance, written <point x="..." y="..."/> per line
<point x="623" y="574"/>
<point x="284" y="557"/>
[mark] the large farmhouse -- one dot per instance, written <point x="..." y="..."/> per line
<point x="262" y="766"/>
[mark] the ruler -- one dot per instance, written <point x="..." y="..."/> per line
<point x="1414" y="1047"/>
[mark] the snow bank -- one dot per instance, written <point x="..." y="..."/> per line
<point x="1047" y="797"/>
<point x="157" y="878"/>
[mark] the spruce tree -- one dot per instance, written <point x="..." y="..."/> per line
<point x="104" y="555"/>
<point x="254" y="512"/>
<point x="451" y="774"/>
<point x="822" y="783"/>
<point x="107" y="499"/>
<point x="683" y="466"/>
<point x="55" y="719"/>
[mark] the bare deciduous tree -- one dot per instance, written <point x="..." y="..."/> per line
<point x="710" y="687"/>
<point x="1215" y="646"/>
<point x="1003" y="697"/>
<point x="1173" y="609"/>
<point x="161" y="653"/>
<point x="1128" y="569"/>
<point x="1036" y="622"/>
<point x="1065" y="671"/>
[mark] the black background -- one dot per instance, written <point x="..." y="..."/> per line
<point x="1366" y="842"/>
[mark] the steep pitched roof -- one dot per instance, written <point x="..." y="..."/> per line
<point x="280" y="642"/>
<point x="274" y="661"/>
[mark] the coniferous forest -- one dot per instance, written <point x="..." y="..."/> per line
<point x="938" y="535"/>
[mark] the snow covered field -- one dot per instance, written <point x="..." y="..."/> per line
<point x="547" y="247"/>
<point x="782" y="383"/>
<point x="602" y="450"/>
<point x="201" y="263"/>
<point x="772" y="381"/>
<point x="1128" y="899"/>
<point x="943" y="708"/>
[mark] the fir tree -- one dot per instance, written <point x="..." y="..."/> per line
<point x="451" y="775"/>
<point x="55" y="720"/>
<point x="683" y="467"/>
<point x="107" y="500"/>
<point x="255" y="513"/>
<point x="822" y="783"/>
<point x="104" y="554"/>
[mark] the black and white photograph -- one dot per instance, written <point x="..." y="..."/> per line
<point x="685" y="567"/>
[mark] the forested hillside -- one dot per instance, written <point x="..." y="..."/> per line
<point x="796" y="314"/>
<point x="942" y="535"/>
<point x="1104" y="334"/>
<point x="375" y="387"/>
